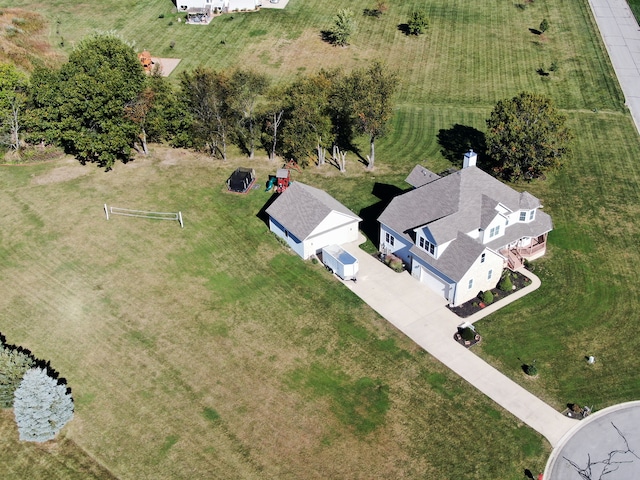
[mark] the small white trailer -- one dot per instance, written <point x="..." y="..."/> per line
<point x="340" y="262"/>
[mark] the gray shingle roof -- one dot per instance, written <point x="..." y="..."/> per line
<point x="301" y="208"/>
<point x="456" y="259"/>
<point x="453" y="203"/>
<point x="458" y="203"/>
<point x="420" y="176"/>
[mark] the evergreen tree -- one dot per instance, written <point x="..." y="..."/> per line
<point x="42" y="406"/>
<point x="14" y="363"/>
<point x="343" y="28"/>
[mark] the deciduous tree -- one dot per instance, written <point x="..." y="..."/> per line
<point x="13" y="86"/>
<point x="526" y="136"/>
<point x="245" y="89"/>
<point x="371" y="92"/>
<point x="307" y="127"/>
<point x="206" y="93"/>
<point x="82" y="106"/>
<point x="418" y="22"/>
<point x="42" y="406"/>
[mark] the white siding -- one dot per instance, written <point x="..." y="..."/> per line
<point x="478" y="272"/>
<point x="498" y="222"/>
<point x="339" y="235"/>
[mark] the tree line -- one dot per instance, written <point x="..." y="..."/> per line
<point x="101" y="107"/>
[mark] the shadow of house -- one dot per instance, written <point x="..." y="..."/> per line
<point x="369" y="215"/>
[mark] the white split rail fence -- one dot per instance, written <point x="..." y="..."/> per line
<point x="126" y="212"/>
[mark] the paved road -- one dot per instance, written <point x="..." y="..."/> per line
<point x="621" y="35"/>
<point x="422" y="315"/>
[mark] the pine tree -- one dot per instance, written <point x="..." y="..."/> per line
<point x="14" y="363"/>
<point x="42" y="406"/>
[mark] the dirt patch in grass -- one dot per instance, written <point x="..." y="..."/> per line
<point x="62" y="174"/>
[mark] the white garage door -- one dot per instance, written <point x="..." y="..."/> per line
<point x="434" y="283"/>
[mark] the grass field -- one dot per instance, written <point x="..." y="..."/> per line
<point x="213" y="352"/>
<point x="474" y="54"/>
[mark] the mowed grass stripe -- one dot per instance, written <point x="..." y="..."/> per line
<point x="588" y="278"/>
<point x="472" y="55"/>
<point x="217" y="337"/>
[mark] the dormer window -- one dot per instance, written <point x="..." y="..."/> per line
<point x="532" y="214"/>
<point x="494" y="231"/>
<point x="523" y="216"/>
<point x="427" y="246"/>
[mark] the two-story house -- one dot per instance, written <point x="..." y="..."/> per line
<point x="456" y="233"/>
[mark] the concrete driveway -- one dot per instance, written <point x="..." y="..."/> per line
<point x="423" y="316"/>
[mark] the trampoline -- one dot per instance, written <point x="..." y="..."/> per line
<point x="241" y="180"/>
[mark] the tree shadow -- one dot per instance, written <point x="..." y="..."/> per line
<point x="457" y="140"/>
<point x="371" y="12"/>
<point x="535" y="31"/>
<point x="328" y="37"/>
<point x="542" y="72"/>
<point x="369" y="225"/>
<point x="404" y="28"/>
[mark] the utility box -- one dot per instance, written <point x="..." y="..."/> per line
<point x="340" y="262"/>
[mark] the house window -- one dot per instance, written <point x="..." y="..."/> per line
<point x="470" y="283"/>
<point x="489" y="274"/>
<point x="390" y="239"/>
<point x="482" y="257"/>
<point x="427" y="246"/>
<point x="523" y="216"/>
<point x="532" y="214"/>
<point x="494" y="231"/>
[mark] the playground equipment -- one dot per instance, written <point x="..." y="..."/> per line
<point x="283" y="179"/>
<point x="271" y="183"/>
<point x="241" y="180"/>
<point x="145" y="60"/>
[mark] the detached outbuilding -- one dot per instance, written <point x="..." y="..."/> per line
<point x="309" y="219"/>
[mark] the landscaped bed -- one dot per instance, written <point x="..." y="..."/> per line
<point x="517" y="281"/>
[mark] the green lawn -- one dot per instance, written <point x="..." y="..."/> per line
<point x="635" y="8"/>
<point x="475" y="53"/>
<point x="214" y="352"/>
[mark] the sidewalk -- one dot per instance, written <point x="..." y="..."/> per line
<point x="423" y="316"/>
<point x="621" y="35"/>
